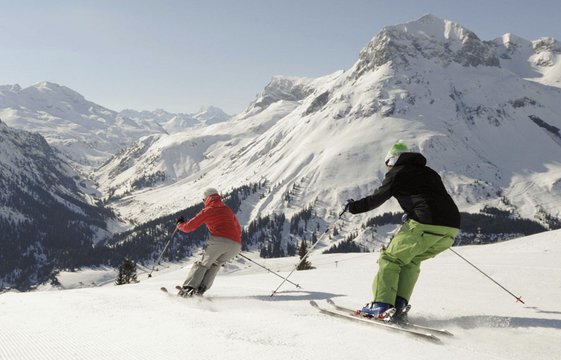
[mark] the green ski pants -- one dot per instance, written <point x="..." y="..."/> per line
<point x="399" y="264"/>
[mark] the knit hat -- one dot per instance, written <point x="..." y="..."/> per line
<point x="210" y="191"/>
<point x="393" y="154"/>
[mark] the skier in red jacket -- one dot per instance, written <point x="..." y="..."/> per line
<point x="223" y="244"/>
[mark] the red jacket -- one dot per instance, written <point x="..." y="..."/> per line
<point x="219" y="219"/>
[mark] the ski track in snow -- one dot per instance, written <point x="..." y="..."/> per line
<point x="239" y="319"/>
<point x="45" y="344"/>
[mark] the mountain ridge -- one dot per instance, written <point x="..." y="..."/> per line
<point x="45" y="209"/>
<point x="85" y="132"/>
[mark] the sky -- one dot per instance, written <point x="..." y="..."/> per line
<point x="181" y="55"/>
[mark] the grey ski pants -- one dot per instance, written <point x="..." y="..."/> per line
<point x="218" y="251"/>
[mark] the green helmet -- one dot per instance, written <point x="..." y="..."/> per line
<point x="393" y="154"/>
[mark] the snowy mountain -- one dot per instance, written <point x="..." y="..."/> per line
<point x="485" y="113"/>
<point x="50" y="208"/>
<point x="86" y="133"/>
<point x="173" y="123"/>
<point x="239" y="319"/>
<point x="535" y="60"/>
<point x="44" y="208"/>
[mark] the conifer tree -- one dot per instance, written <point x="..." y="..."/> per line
<point x="304" y="264"/>
<point x="127" y="272"/>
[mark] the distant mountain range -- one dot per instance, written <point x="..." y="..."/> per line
<point x="486" y="114"/>
<point x="87" y="133"/>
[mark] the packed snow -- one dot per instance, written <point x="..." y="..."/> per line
<point x="239" y="319"/>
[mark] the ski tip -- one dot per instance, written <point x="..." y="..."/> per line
<point x="178" y="287"/>
<point x="313" y="303"/>
<point x="330" y="301"/>
<point x="163" y="288"/>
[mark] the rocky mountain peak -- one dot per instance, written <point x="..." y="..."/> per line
<point x="211" y="115"/>
<point x="547" y="44"/>
<point x="511" y="41"/>
<point x="429" y="38"/>
<point x="10" y="88"/>
<point x="48" y="91"/>
<point x="280" y="88"/>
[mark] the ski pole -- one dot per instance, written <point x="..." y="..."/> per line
<point x="309" y="251"/>
<point x="518" y="298"/>
<point x="269" y="270"/>
<point x="163" y="251"/>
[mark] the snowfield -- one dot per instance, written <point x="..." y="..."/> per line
<point x="239" y="320"/>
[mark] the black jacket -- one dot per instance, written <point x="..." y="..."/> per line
<point x="419" y="191"/>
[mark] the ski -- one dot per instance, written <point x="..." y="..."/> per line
<point x="406" y="324"/>
<point x="199" y="298"/>
<point x="178" y="288"/>
<point x="371" y="321"/>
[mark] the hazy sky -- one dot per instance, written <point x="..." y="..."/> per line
<point x="181" y="55"/>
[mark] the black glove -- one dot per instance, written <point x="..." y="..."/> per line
<point x="349" y="201"/>
<point x="181" y="220"/>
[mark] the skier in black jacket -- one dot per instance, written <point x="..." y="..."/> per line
<point x="433" y="221"/>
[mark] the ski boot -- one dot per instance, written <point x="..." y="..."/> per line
<point x="378" y="310"/>
<point x="201" y="290"/>
<point x="186" y="291"/>
<point x="401" y="309"/>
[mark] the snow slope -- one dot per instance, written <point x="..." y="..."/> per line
<point x="238" y="319"/>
